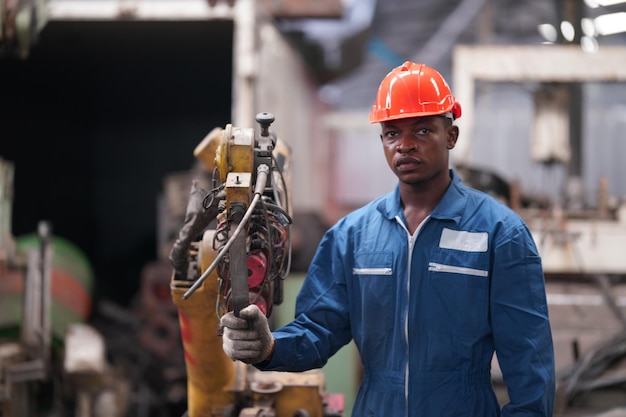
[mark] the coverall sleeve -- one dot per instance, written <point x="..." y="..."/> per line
<point x="321" y="325"/>
<point x="521" y="327"/>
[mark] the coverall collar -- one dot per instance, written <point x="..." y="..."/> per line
<point x="450" y="207"/>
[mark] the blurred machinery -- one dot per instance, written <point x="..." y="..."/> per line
<point x="243" y="258"/>
<point x="60" y="354"/>
<point x="51" y="361"/>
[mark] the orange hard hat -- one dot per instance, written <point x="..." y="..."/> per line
<point x="413" y="90"/>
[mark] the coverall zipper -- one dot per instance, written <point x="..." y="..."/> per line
<point x="411" y="241"/>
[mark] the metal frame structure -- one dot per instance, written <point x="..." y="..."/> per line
<point x="546" y="63"/>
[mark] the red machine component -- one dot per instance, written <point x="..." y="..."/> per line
<point x="257" y="268"/>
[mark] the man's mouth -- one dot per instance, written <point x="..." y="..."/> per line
<point x="406" y="164"/>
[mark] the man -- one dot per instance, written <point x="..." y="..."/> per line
<point x="429" y="281"/>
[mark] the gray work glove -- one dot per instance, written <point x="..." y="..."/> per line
<point x="247" y="338"/>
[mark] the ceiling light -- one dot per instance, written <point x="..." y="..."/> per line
<point x="568" y="31"/>
<point x="605" y="3"/>
<point x="547" y="31"/>
<point x="610" y="24"/>
<point x="588" y="27"/>
<point x="589" y="44"/>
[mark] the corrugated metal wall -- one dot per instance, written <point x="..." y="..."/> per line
<point x="503" y="129"/>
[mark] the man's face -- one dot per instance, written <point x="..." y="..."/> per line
<point x="417" y="148"/>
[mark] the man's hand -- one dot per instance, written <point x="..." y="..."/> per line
<point x="247" y="338"/>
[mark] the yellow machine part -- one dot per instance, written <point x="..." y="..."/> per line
<point x="229" y="150"/>
<point x="233" y="156"/>
<point x="207" y="148"/>
<point x="211" y="376"/>
<point x="236" y="151"/>
<point x="213" y="150"/>
<point x="238" y="189"/>
<point x="292" y="393"/>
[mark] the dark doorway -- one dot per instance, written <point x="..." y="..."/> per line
<point x="95" y="118"/>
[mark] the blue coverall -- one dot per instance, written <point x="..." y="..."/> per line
<point x="428" y="310"/>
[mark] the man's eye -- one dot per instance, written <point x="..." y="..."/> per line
<point x="421" y="131"/>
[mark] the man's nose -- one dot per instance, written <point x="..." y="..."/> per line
<point x="406" y="143"/>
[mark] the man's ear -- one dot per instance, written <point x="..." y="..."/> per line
<point x="453" y="135"/>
